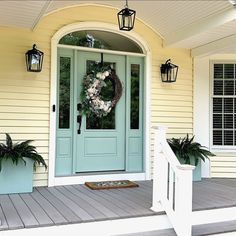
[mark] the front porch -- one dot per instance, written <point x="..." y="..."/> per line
<point x="77" y="204"/>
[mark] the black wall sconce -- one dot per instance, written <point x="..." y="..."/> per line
<point x="34" y="59"/>
<point x="126" y="18"/>
<point x="169" y="72"/>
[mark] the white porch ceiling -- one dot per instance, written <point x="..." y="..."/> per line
<point x="197" y="25"/>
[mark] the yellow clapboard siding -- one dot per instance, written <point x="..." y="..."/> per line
<point x="23" y="123"/>
<point x="24" y="116"/>
<point x="165" y="91"/>
<point x="176" y="125"/>
<point x="20" y="82"/>
<point x="24" y="89"/>
<point x="39" y="183"/>
<point x="224" y="158"/>
<point x="25" y="136"/>
<point x="172" y="114"/>
<point x="41" y="97"/>
<point x="174" y="86"/>
<point x="173" y="108"/>
<point x="25" y="130"/>
<point x="157" y="97"/>
<point x="40" y="176"/>
<point x="170" y="103"/>
<point x="223" y="169"/>
<point x="12" y="110"/>
<point x="159" y="120"/>
<point x="41" y="143"/>
<point x="223" y="175"/>
<point x="223" y="164"/>
<point x="28" y="103"/>
<point x="181" y="83"/>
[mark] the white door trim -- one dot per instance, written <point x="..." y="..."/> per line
<point x="52" y="180"/>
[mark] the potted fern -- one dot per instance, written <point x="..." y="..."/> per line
<point x="189" y="152"/>
<point x="17" y="161"/>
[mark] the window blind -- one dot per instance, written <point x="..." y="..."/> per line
<point x="224" y="104"/>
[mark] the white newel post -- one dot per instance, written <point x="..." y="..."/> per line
<point x="172" y="185"/>
<point x="158" y="171"/>
<point x="184" y="200"/>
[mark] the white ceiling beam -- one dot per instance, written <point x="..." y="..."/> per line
<point x="214" y="47"/>
<point x="41" y="13"/>
<point x="200" y="26"/>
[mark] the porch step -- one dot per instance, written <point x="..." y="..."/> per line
<point x="198" y="230"/>
<point x="164" y="232"/>
<point x="215" y="228"/>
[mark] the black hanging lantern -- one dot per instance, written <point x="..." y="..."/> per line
<point x="34" y="59"/>
<point x="169" y="72"/>
<point x="126" y="18"/>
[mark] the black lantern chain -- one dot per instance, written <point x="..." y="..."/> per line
<point x="126" y="18"/>
<point x="34" y="59"/>
<point x="169" y="72"/>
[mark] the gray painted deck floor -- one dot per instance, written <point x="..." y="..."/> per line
<point x="77" y="203"/>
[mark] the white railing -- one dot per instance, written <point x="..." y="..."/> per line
<point x="172" y="185"/>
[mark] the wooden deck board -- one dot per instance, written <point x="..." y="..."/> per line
<point x="23" y="211"/>
<point x="67" y="199"/>
<point x="51" y="211"/>
<point x="97" y="197"/>
<point x="93" y="211"/>
<point x="77" y="203"/>
<point x="4" y="224"/>
<point x="12" y="217"/>
<point x="113" y="197"/>
<point x="36" y="210"/>
<point x="130" y="200"/>
<point x="69" y="215"/>
<point x="95" y="203"/>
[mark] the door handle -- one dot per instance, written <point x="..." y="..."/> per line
<point x="79" y="121"/>
<point x="79" y="107"/>
<point x="79" y="117"/>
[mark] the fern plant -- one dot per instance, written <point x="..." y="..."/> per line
<point x="17" y="151"/>
<point x="186" y="150"/>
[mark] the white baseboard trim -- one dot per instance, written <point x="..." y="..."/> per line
<point x="100" y="228"/>
<point x="80" y="179"/>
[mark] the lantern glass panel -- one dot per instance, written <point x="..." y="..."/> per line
<point x="169" y="72"/>
<point x="34" y="59"/>
<point x="35" y="62"/>
<point x="126" y="18"/>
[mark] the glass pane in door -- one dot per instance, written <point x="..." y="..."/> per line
<point x="64" y="93"/>
<point x="107" y="93"/>
<point x="134" y="109"/>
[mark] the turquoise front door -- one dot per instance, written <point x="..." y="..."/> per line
<point x="111" y="143"/>
<point x="100" y="144"/>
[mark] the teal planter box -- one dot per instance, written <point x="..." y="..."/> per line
<point x="16" y="178"/>
<point x="197" y="172"/>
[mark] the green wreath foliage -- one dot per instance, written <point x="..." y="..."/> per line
<point x="93" y="83"/>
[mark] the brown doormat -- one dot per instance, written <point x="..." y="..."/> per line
<point x="111" y="184"/>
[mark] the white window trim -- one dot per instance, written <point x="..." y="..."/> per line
<point x="217" y="148"/>
<point x="52" y="180"/>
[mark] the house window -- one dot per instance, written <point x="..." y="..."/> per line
<point x="224" y="104"/>
<point x="100" y="39"/>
